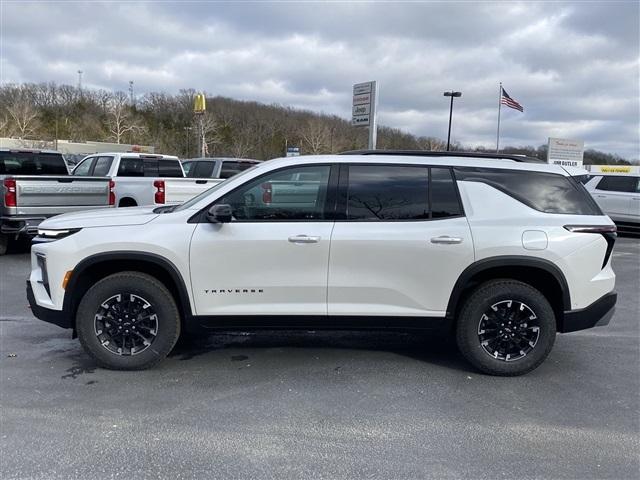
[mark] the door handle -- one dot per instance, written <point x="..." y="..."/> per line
<point x="303" y="239"/>
<point x="446" y="240"/>
<point x="601" y="196"/>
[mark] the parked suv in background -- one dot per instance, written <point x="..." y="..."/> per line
<point x="502" y="253"/>
<point x="619" y="197"/>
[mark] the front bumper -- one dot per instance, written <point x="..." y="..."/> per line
<point x="57" y="317"/>
<point x="597" y="314"/>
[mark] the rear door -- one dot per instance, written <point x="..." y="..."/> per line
<point x="400" y="241"/>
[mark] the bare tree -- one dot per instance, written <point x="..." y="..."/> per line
<point x="120" y="119"/>
<point x="316" y="136"/>
<point x="431" y="143"/>
<point x="23" y="116"/>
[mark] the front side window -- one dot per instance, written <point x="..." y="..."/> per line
<point x="290" y="194"/>
<point x="84" y="168"/>
<point x="102" y="166"/>
<point x="387" y="192"/>
<point x="618" y="184"/>
<point x="186" y="166"/>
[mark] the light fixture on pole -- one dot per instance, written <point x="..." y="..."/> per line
<point x="451" y="94"/>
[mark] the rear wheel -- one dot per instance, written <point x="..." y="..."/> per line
<point x="506" y="327"/>
<point x="128" y="321"/>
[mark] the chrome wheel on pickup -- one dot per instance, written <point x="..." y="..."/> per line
<point x="128" y="321"/>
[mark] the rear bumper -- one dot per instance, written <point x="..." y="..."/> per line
<point x="21" y="224"/>
<point x="597" y="314"/>
<point x="57" y="317"/>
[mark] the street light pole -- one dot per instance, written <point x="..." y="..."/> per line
<point x="451" y="94"/>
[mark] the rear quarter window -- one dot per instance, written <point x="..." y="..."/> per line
<point x="545" y="192"/>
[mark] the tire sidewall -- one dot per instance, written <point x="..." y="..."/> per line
<point x="152" y="291"/>
<point x="479" y="302"/>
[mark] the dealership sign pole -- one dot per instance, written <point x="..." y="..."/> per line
<point x="364" y="109"/>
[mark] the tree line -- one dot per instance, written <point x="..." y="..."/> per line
<point x="48" y="111"/>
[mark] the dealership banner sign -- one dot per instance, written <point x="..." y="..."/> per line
<point x="565" y="152"/>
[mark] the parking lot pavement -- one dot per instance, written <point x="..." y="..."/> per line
<point x="319" y="405"/>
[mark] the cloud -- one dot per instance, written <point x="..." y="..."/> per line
<point x="575" y="66"/>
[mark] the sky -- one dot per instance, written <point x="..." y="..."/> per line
<point x="574" y="66"/>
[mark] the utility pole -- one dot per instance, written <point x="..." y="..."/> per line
<point x="133" y="102"/>
<point x="80" y="80"/>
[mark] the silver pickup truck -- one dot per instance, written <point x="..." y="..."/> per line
<point x="36" y="185"/>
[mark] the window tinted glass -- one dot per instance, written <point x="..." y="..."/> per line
<point x="169" y="168"/>
<point x="202" y="170"/>
<point x="618" y="184"/>
<point x="186" y="166"/>
<point x="102" y="166"/>
<point x="131" y="167"/>
<point x="444" y="199"/>
<point x="32" y="163"/>
<point x="282" y="196"/>
<point x="151" y="167"/>
<point x="84" y="167"/>
<point x="229" y="169"/>
<point x="386" y="192"/>
<point x="545" y="192"/>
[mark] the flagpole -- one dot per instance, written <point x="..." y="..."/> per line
<point x="499" y="108"/>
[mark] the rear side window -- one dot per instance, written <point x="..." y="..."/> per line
<point x="387" y="192"/>
<point x="545" y="192"/>
<point x="32" y="163"/>
<point x="618" y="184"/>
<point x="444" y="197"/>
<point x="170" y="168"/>
<point x="229" y="169"/>
<point x="131" y="167"/>
<point x="202" y="169"/>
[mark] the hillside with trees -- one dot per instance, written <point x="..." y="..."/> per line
<point x="48" y="111"/>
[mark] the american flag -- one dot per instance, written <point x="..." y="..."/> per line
<point x="510" y="102"/>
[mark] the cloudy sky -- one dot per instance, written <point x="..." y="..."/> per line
<point x="574" y="66"/>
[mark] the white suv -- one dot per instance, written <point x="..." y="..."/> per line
<point x="501" y="253"/>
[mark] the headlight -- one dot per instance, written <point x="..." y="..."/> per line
<point x="48" y="235"/>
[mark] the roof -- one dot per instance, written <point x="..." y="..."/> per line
<point x="29" y="150"/>
<point x="430" y="153"/>
<point x="209" y="159"/>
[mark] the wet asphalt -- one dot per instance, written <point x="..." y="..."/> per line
<point x="319" y="405"/>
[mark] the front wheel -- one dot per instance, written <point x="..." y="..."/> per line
<point x="128" y="321"/>
<point x="506" y="328"/>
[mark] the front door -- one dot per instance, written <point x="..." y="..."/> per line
<point x="402" y="245"/>
<point x="272" y="258"/>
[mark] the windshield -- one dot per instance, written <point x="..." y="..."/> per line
<point x="189" y="203"/>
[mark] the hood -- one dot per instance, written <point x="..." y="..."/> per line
<point x="106" y="217"/>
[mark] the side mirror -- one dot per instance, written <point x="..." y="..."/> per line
<point x="220" y="213"/>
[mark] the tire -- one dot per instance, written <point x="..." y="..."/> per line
<point x="4" y="243"/>
<point x="137" y="298"/>
<point x="520" y="346"/>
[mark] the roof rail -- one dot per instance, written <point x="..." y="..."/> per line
<point x="429" y="153"/>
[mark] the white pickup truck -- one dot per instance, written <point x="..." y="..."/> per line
<point x="35" y="185"/>
<point x="144" y="179"/>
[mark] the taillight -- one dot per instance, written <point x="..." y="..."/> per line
<point x="10" y="197"/>
<point x="267" y="194"/>
<point x="607" y="231"/>
<point x="159" y="197"/>
<point x="112" y="195"/>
